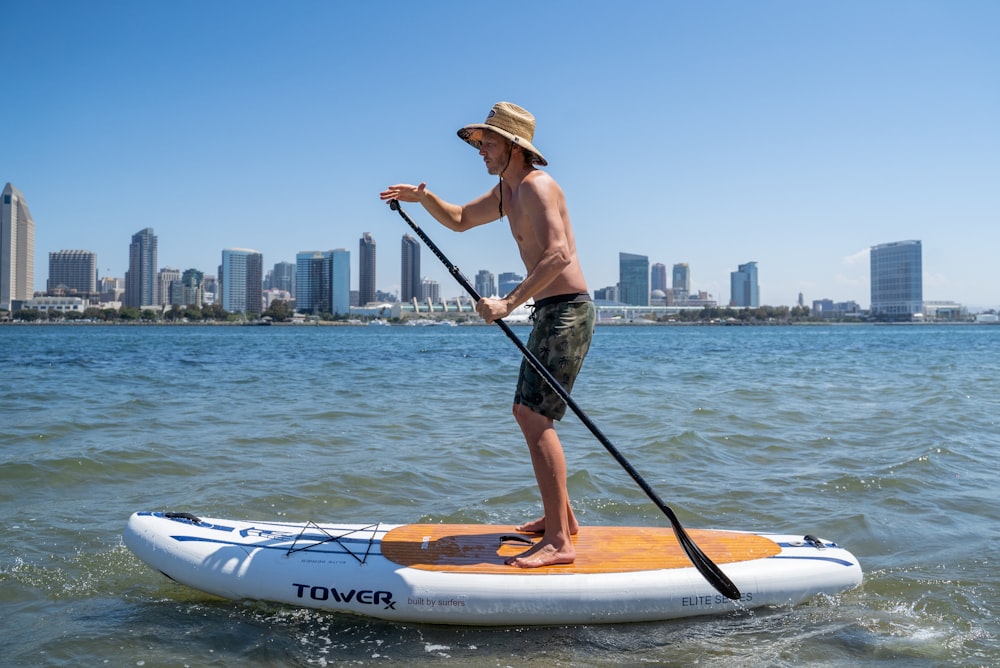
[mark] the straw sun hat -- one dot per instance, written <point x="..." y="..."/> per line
<point x="511" y="121"/>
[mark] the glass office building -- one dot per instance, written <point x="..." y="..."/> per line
<point x="323" y="282"/>
<point x="633" y="279"/>
<point x="743" y="287"/>
<point x="340" y="290"/>
<point x="366" y="269"/>
<point x="897" y="288"/>
<point x="241" y="279"/>
<point x="141" y="287"/>
<point x="409" y="285"/>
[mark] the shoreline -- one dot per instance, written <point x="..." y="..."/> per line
<point x="404" y="323"/>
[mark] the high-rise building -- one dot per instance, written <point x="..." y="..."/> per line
<point x="430" y="290"/>
<point x="897" y="288"/>
<point x="72" y="272"/>
<point x="241" y="281"/>
<point x="658" y="277"/>
<point x="323" y="282"/>
<point x="743" y="287"/>
<point x="680" y="287"/>
<point x="409" y="284"/>
<point x="210" y="289"/>
<point x="341" y="272"/>
<point x="633" y="279"/>
<point x="366" y="269"/>
<point x="110" y="288"/>
<point x="681" y="278"/>
<point x="17" y="248"/>
<point x="282" y="277"/>
<point x="141" y="287"/>
<point x="192" y="291"/>
<point x="165" y="278"/>
<point x="312" y="287"/>
<point x="507" y="281"/>
<point x="486" y="286"/>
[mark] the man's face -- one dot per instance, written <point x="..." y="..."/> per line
<point x="495" y="151"/>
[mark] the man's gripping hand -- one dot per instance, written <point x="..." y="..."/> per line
<point x="492" y="310"/>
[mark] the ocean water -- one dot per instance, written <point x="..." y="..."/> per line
<point x="883" y="438"/>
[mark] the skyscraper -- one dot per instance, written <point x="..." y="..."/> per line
<point x="681" y="278"/>
<point x="743" y="288"/>
<point x="311" y="282"/>
<point x="323" y="282"/>
<point x="507" y="281"/>
<point x="283" y="277"/>
<point x="241" y="281"/>
<point x="486" y="286"/>
<point x="658" y="277"/>
<point x="164" y="278"/>
<point x="680" y="287"/>
<point x="72" y="271"/>
<point x="897" y="288"/>
<point x="340" y="259"/>
<point x="633" y="279"/>
<point x="430" y="290"/>
<point x="409" y="284"/>
<point x="17" y="248"/>
<point x="141" y="287"/>
<point x="192" y="292"/>
<point x="366" y="269"/>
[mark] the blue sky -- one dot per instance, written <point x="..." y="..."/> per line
<point x="794" y="134"/>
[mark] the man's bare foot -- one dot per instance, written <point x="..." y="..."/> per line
<point x="543" y="554"/>
<point x="538" y="526"/>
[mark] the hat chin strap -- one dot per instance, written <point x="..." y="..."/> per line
<point x="510" y="152"/>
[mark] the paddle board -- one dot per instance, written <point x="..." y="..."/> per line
<point x="455" y="573"/>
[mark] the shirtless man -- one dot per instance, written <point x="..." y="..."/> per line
<point x="564" y="313"/>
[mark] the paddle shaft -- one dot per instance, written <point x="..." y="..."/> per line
<point x="705" y="566"/>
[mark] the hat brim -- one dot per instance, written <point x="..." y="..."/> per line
<point x="473" y="135"/>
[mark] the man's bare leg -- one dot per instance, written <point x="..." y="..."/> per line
<point x="549" y="462"/>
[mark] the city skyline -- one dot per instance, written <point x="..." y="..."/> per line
<point x="637" y="275"/>
<point x="794" y="135"/>
<point x="147" y="283"/>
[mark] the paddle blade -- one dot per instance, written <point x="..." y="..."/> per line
<point x="708" y="568"/>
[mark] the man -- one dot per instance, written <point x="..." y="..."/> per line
<point x="564" y="313"/>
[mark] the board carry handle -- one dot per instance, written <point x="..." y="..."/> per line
<point x="708" y="568"/>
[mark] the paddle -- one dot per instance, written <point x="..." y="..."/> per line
<point x="705" y="566"/>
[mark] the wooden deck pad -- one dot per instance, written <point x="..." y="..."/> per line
<point x="477" y="548"/>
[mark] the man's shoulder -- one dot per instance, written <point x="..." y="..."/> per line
<point x="540" y="182"/>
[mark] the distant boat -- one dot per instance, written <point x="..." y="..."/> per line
<point x="378" y="322"/>
<point x="430" y="322"/>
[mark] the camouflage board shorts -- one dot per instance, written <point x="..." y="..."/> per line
<point x="560" y="339"/>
